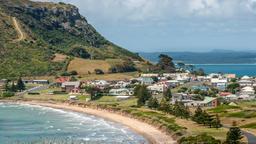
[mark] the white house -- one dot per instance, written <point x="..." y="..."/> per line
<point x="157" y="88"/>
<point x="122" y="84"/>
<point x="150" y="75"/>
<point x="207" y="102"/>
<point x="121" y="92"/>
<point x="146" y="80"/>
<point x="247" y="90"/>
<point x="245" y="82"/>
<point x="102" y="84"/>
<point x="219" y="83"/>
<point x="173" y="83"/>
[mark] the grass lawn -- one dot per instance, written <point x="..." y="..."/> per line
<point x="243" y="114"/>
<point x="223" y="109"/>
<point x="250" y="125"/>
<point x="113" y="100"/>
<point x="196" y="129"/>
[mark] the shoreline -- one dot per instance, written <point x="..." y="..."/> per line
<point x="149" y="132"/>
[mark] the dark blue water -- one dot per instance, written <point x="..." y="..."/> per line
<point x="26" y="124"/>
<point x="238" y="69"/>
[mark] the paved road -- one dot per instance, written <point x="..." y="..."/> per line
<point x="251" y="138"/>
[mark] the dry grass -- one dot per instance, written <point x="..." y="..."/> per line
<point x="59" y="58"/>
<point x="83" y="67"/>
<point x="195" y="129"/>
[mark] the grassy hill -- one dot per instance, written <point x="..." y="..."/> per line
<point x="34" y="33"/>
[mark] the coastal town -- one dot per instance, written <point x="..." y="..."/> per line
<point x="213" y="93"/>
<point x="210" y="90"/>
<point x="127" y="72"/>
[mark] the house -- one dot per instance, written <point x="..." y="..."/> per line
<point x="122" y="84"/>
<point x="215" y="75"/>
<point x="71" y="87"/>
<point x="230" y="76"/>
<point x="43" y="82"/>
<point x="231" y="97"/>
<point x="157" y="88"/>
<point x="62" y="79"/>
<point x="245" y="82"/>
<point x="220" y="84"/>
<point x="101" y="84"/>
<point x="207" y="102"/>
<point x="149" y="75"/>
<point x="202" y="88"/>
<point x="181" y="97"/>
<point x="173" y="83"/>
<point x="248" y="90"/>
<point x="245" y="97"/>
<point x="146" y="80"/>
<point x="121" y="92"/>
<point x="224" y="94"/>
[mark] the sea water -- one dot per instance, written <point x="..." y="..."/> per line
<point x="238" y="69"/>
<point x="27" y="124"/>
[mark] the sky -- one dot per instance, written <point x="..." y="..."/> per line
<point x="173" y="25"/>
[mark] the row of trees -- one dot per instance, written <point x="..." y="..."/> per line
<point x="178" y="109"/>
<point x="145" y="98"/>
<point x="11" y="86"/>
<point x="202" y="117"/>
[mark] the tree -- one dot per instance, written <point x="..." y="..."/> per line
<point x="165" y="64"/>
<point x="190" y="67"/>
<point x="167" y="94"/>
<point x="79" y="51"/>
<point x="216" y="122"/>
<point x="164" y="106"/>
<point x="72" y="79"/>
<point x="180" y="110"/>
<point x="20" y="85"/>
<point x="233" y="87"/>
<point x="13" y="87"/>
<point x="181" y="65"/>
<point x="197" y="117"/>
<point x="234" y="135"/>
<point x="143" y="95"/>
<point x="153" y="103"/>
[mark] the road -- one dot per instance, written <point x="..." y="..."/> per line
<point x="21" y="35"/>
<point x="250" y="137"/>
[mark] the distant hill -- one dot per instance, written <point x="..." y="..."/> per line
<point x="33" y="33"/>
<point x="214" y="57"/>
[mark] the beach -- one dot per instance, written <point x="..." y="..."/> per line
<point x="151" y="133"/>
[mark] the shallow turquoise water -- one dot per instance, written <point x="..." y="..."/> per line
<point x="24" y="124"/>
<point x="238" y="69"/>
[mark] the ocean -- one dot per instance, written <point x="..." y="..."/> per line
<point x="238" y="69"/>
<point x="26" y="124"/>
<point x="239" y="63"/>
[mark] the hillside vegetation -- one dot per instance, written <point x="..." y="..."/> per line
<point x="32" y="33"/>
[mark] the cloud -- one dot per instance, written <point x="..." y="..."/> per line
<point x="164" y="10"/>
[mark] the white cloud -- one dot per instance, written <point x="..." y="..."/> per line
<point x="155" y="10"/>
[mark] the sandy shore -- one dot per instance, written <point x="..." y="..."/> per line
<point x="151" y="133"/>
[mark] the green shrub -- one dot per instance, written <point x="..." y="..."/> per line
<point x="33" y="93"/>
<point x="59" y="92"/>
<point x="8" y="94"/>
